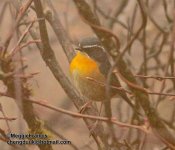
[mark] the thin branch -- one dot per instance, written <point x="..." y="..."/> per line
<point x="147" y="10"/>
<point x="165" y="5"/>
<point x="18" y="19"/>
<point x="172" y="50"/>
<point x="160" y="78"/>
<point x="21" y="38"/>
<point x="8" y="118"/>
<point x="5" y="118"/>
<point x="79" y="115"/>
<point x="61" y="34"/>
<point x="106" y="31"/>
<point x="118" y="12"/>
<point x="111" y="86"/>
<point x="137" y="87"/>
<point x="131" y="85"/>
<point x="60" y="136"/>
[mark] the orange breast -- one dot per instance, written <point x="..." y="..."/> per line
<point x="81" y="67"/>
<point x="84" y="65"/>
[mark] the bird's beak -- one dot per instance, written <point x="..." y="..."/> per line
<point x="77" y="49"/>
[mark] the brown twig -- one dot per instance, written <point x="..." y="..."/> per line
<point x="117" y="13"/>
<point x="7" y="118"/>
<point x="165" y="5"/>
<point x="144" y="20"/>
<point x="172" y="50"/>
<point x="79" y="115"/>
<point x="9" y="74"/>
<point x="115" y="20"/>
<point x="160" y="78"/>
<point x="28" y="43"/>
<point x="18" y="19"/>
<point x="62" y="36"/>
<point x="3" y="136"/>
<point x="105" y="30"/>
<point x="131" y="85"/>
<point x="31" y="75"/>
<point x="137" y="87"/>
<point x="55" y="132"/>
<point x="147" y="10"/>
<point x="13" y="51"/>
<point x="111" y="86"/>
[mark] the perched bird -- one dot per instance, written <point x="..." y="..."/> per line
<point x="91" y="62"/>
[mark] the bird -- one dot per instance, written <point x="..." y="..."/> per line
<point x="91" y="61"/>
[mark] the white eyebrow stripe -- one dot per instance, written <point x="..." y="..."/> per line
<point x="93" y="46"/>
<point x="90" y="46"/>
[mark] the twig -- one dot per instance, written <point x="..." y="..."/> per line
<point x="160" y="78"/>
<point x="9" y="74"/>
<point x="30" y="42"/>
<point x="154" y="21"/>
<point x="62" y="36"/>
<point x="21" y="39"/>
<point x="4" y="136"/>
<point x="128" y="145"/>
<point x="117" y="13"/>
<point x="7" y="118"/>
<point x="166" y="10"/>
<point x="19" y="17"/>
<point x="144" y="21"/>
<point x="31" y="75"/>
<point x="147" y="91"/>
<point x="79" y="115"/>
<point x="60" y="136"/>
<point x="170" y="145"/>
<point x="111" y="86"/>
<point x="172" y="50"/>
<point x="132" y="85"/>
<point x="106" y="31"/>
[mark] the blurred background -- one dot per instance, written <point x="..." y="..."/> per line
<point x="151" y="54"/>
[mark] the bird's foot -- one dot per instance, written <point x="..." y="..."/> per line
<point x="85" y="106"/>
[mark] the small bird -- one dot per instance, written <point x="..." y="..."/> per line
<point x="91" y="62"/>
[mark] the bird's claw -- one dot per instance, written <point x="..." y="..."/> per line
<point x="85" y="106"/>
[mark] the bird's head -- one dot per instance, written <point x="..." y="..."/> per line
<point x="93" y="48"/>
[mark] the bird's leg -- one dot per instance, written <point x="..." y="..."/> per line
<point x="85" y="106"/>
<point x="94" y="126"/>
